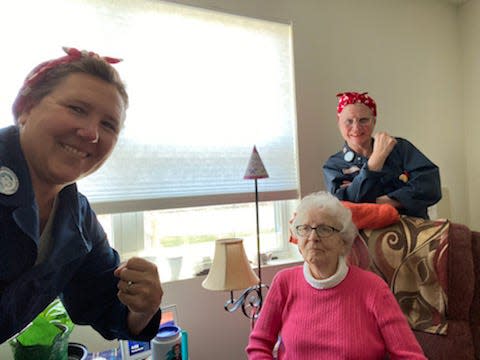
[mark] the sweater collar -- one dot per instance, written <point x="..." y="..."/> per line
<point x="330" y="282"/>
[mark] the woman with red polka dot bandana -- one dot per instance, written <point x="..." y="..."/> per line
<point x="377" y="167"/>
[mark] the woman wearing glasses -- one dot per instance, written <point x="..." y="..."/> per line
<point x="326" y="309"/>
<point x="379" y="169"/>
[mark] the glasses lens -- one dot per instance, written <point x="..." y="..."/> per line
<point x="364" y="121"/>
<point x="304" y="230"/>
<point x="324" y="231"/>
<point x="360" y="122"/>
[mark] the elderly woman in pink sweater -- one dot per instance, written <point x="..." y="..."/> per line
<point x="326" y="309"/>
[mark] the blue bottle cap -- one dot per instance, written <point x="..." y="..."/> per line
<point x="168" y="331"/>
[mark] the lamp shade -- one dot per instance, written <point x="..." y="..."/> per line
<point x="230" y="269"/>
<point x="255" y="167"/>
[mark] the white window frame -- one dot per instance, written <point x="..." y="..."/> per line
<point x="128" y="231"/>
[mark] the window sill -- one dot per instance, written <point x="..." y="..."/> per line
<point x="272" y="264"/>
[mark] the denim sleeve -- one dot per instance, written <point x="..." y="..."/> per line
<point x="365" y="186"/>
<point x="423" y="187"/>
<point x="91" y="296"/>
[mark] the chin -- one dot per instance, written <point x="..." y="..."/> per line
<point x="67" y="180"/>
<point x="315" y="259"/>
<point x="67" y="177"/>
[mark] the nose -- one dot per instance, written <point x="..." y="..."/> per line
<point x="313" y="236"/>
<point x="89" y="132"/>
<point x="356" y="125"/>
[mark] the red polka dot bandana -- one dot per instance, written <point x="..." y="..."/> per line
<point x="40" y="70"/>
<point x="348" y="98"/>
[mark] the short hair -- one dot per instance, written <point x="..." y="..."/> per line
<point x="89" y="65"/>
<point x="328" y="203"/>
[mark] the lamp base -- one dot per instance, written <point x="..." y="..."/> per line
<point x="250" y="301"/>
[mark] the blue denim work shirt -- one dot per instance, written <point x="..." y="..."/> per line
<point x="407" y="176"/>
<point x="79" y="268"/>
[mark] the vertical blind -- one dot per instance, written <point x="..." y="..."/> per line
<point x="204" y="86"/>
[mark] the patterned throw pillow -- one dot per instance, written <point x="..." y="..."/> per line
<point x="411" y="256"/>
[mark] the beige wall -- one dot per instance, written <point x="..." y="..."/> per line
<point x="470" y="36"/>
<point x="404" y="52"/>
<point x="409" y="68"/>
<point x="407" y="54"/>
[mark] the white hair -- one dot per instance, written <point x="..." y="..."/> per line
<point x="328" y="203"/>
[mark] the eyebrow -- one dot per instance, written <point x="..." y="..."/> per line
<point x="362" y="118"/>
<point x="114" y="117"/>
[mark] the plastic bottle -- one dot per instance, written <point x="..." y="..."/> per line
<point x="167" y="345"/>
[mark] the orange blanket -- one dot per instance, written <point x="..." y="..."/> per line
<point x="372" y="216"/>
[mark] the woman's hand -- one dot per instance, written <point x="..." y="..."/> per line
<point x="384" y="199"/>
<point x="140" y="290"/>
<point x="382" y="147"/>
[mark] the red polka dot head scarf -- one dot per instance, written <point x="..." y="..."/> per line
<point x="36" y="75"/>
<point x="348" y="98"/>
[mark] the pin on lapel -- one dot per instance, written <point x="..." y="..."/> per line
<point x="8" y="181"/>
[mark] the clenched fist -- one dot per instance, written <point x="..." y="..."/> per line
<point x="140" y="290"/>
<point x="382" y="147"/>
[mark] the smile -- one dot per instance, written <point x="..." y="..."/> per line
<point x="74" y="151"/>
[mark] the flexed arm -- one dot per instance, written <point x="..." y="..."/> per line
<point x="383" y="145"/>
<point x="422" y="187"/>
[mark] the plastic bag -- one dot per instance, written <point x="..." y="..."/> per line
<point x="46" y="338"/>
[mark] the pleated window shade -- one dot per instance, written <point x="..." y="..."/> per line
<point x="204" y="86"/>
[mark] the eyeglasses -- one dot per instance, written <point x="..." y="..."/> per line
<point x="322" y="231"/>
<point x="365" y="121"/>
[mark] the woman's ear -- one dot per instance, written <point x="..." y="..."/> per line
<point x="22" y="119"/>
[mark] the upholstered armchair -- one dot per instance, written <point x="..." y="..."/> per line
<point x="433" y="268"/>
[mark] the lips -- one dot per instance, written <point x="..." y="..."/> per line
<point x="74" y="151"/>
<point x="317" y="248"/>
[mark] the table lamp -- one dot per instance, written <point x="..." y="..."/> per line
<point x="231" y="271"/>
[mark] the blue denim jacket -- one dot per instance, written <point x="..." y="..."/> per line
<point x="79" y="268"/>
<point x="418" y="189"/>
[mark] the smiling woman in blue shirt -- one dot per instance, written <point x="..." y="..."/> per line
<point x="68" y="116"/>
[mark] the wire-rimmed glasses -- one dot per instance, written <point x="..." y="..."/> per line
<point x="363" y="122"/>
<point x="322" y="230"/>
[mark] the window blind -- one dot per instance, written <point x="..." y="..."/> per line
<point x="204" y="87"/>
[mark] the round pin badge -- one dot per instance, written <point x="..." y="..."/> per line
<point x="8" y="181"/>
<point x="349" y="155"/>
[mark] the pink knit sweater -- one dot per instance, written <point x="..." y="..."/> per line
<point x="357" y="319"/>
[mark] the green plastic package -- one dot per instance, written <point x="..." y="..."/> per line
<point x="46" y="338"/>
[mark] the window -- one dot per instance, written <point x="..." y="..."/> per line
<point x="188" y="235"/>
<point x="205" y="87"/>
